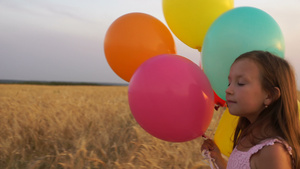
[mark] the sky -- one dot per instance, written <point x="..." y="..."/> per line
<point x="62" y="40"/>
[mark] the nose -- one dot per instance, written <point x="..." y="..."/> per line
<point x="229" y="90"/>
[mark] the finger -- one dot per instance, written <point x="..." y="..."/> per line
<point x="204" y="147"/>
<point x="208" y="145"/>
<point x="211" y="144"/>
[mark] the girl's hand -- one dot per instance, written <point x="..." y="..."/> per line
<point x="211" y="146"/>
<point x="215" y="152"/>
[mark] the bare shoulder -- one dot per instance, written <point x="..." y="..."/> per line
<point x="274" y="156"/>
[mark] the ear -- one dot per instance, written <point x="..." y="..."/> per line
<point x="276" y="94"/>
<point x="271" y="97"/>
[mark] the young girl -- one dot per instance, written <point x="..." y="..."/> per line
<point x="262" y="92"/>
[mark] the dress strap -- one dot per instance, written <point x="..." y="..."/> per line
<point x="269" y="142"/>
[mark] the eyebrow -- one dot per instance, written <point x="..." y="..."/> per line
<point x="239" y="76"/>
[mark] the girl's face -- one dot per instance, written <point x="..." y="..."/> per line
<point x="245" y="95"/>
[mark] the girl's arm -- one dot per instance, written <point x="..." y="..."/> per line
<point x="215" y="153"/>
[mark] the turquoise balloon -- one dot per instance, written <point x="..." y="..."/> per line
<point x="235" y="32"/>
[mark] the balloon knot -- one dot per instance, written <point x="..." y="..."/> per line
<point x="217" y="106"/>
<point x="199" y="49"/>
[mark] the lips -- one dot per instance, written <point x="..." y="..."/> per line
<point x="230" y="101"/>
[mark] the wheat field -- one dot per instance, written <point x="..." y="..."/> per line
<point x="83" y="127"/>
<point x="77" y="127"/>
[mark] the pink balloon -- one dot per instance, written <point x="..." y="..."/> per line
<point x="171" y="98"/>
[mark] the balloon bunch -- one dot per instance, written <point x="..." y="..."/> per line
<point x="171" y="97"/>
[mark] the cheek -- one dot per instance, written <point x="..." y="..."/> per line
<point x="248" y="99"/>
<point x="253" y="103"/>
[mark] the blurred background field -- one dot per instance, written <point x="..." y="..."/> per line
<point x="83" y="127"/>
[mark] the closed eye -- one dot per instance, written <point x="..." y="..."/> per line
<point x="241" y="84"/>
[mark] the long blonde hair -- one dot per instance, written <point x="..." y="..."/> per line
<point x="282" y="114"/>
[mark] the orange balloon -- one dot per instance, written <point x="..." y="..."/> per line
<point x="132" y="39"/>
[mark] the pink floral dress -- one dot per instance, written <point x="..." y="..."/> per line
<point x="241" y="159"/>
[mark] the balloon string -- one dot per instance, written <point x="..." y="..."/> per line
<point x="220" y="111"/>
<point x="212" y="164"/>
<point x="205" y="153"/>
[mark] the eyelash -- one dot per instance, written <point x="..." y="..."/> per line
<point x="240" y="84"/>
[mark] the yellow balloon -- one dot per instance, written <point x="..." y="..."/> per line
<point x="189" y="20"/>
<point x="225" y="131"/>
